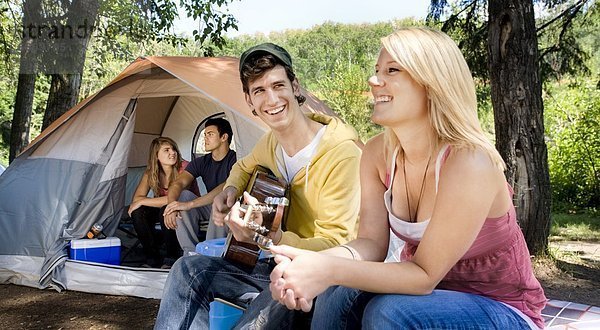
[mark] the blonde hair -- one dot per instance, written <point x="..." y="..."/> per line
<point x="433" y="60"/>
<point x="154" y="166"/>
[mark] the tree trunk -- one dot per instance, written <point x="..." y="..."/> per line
<point x="19" y="131"/>
<point x="63" y="95"/>
<point x="64" y="86"/>
<point x="518" y="112"/>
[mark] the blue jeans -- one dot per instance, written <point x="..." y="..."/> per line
<point x="195" y="281"/>
<point x="344" y="308"/>
<point x="264" y="313"/>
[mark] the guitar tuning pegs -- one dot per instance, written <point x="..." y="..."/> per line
<point x="263" y="242"/>
<point x="262" y="208"/>
<point x="277" y="201"/>
<point x="257" y="228"/>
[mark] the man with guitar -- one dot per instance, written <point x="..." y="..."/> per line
<point x="315" y="154"/>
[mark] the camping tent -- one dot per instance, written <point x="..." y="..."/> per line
<point x="75" y="173"/>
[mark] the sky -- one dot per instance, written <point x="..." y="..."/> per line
<point x="265" y="16"/>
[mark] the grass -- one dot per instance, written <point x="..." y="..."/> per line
<point x="581" y="227"/>
<point x="575" y="227"/>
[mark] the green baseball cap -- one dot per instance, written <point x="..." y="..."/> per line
<point x="268" y="48"/>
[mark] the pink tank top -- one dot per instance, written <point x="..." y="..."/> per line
<point x="497" y="265"/>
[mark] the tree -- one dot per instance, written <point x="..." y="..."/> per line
<point x="19" y="135"/>
<point x="510" y="38"/>
<point x="65" y="84"/>
<point x="519" y="114"/>
<point x="49" y="26"/>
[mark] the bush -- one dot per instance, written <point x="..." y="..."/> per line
<point x="346" y="92"/>
<point x="573" y="133"/>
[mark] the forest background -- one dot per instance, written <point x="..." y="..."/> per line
<point x="334" y="60"/>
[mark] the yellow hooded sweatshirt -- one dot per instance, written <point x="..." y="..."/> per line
<point x="324" y="195"/>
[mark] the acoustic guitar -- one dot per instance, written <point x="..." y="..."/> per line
<point x="273" y="196"/>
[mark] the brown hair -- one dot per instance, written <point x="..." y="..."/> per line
<point x="256" y="66"/>
<point x="154" y="167"/>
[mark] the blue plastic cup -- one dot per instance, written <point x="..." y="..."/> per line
<point x="223" y="316"/>
<point x="213" y="247"/>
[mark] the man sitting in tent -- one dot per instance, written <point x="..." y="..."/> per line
<point x="316" y="154"/>
<point x="187" y="213"/>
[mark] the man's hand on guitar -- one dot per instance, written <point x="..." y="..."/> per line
<point x="260" y="226"/>
<point x="222" y="205"/>
<point x="237" y="220"/>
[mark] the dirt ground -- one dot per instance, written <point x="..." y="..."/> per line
<point x="29" y="308"/>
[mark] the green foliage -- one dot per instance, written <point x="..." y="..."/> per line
<point x="561" y="32"/>
<point x="345" y="91"/>
<point x="144" y="21"/>
<point x="317" y="51"/>
<point x="572" y="124"/>
<point x="7" y="97"/>
<point x="466" y="23"/>
<point x="39" y="105"/>
<point x="320" y="50"/>
<point x="8" y="62"/>
<point x="562" y="29"/>
<point x="485" y="112"/>
<point x="8" y="87"/>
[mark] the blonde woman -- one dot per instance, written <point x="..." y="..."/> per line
<point x="164" y="163"/>
<point x="435" y="180"/>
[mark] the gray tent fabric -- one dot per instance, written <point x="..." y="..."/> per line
<point x="76" y="201"/>
<point x="75" y="173"/>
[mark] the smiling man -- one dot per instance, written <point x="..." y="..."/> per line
<point x="316" y="154"/>
<point x="187" y="213"/>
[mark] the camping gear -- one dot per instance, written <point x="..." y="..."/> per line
<point x="96" y="231"/>
<point x="223" y="315"/>
<point x="106" y="251"/>
<point x="84" y="167"/>
<point x="567" y="315"/>
<point x="211" y="247"/>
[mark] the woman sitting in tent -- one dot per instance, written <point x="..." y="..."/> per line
<point x="164" y="163"/>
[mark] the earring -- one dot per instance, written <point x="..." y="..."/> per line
<point x="254" y="112"/>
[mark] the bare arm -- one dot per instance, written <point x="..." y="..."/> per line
<point x="373" y="231"/>
<point x="184" y="179"/>
<point x="209" y="197"/>
<point x="198" y="202"/>
<point x="468" y="187"/>
<point x="140" y="196"/>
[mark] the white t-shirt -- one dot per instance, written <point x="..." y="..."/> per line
<point x="295" y="163"/>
